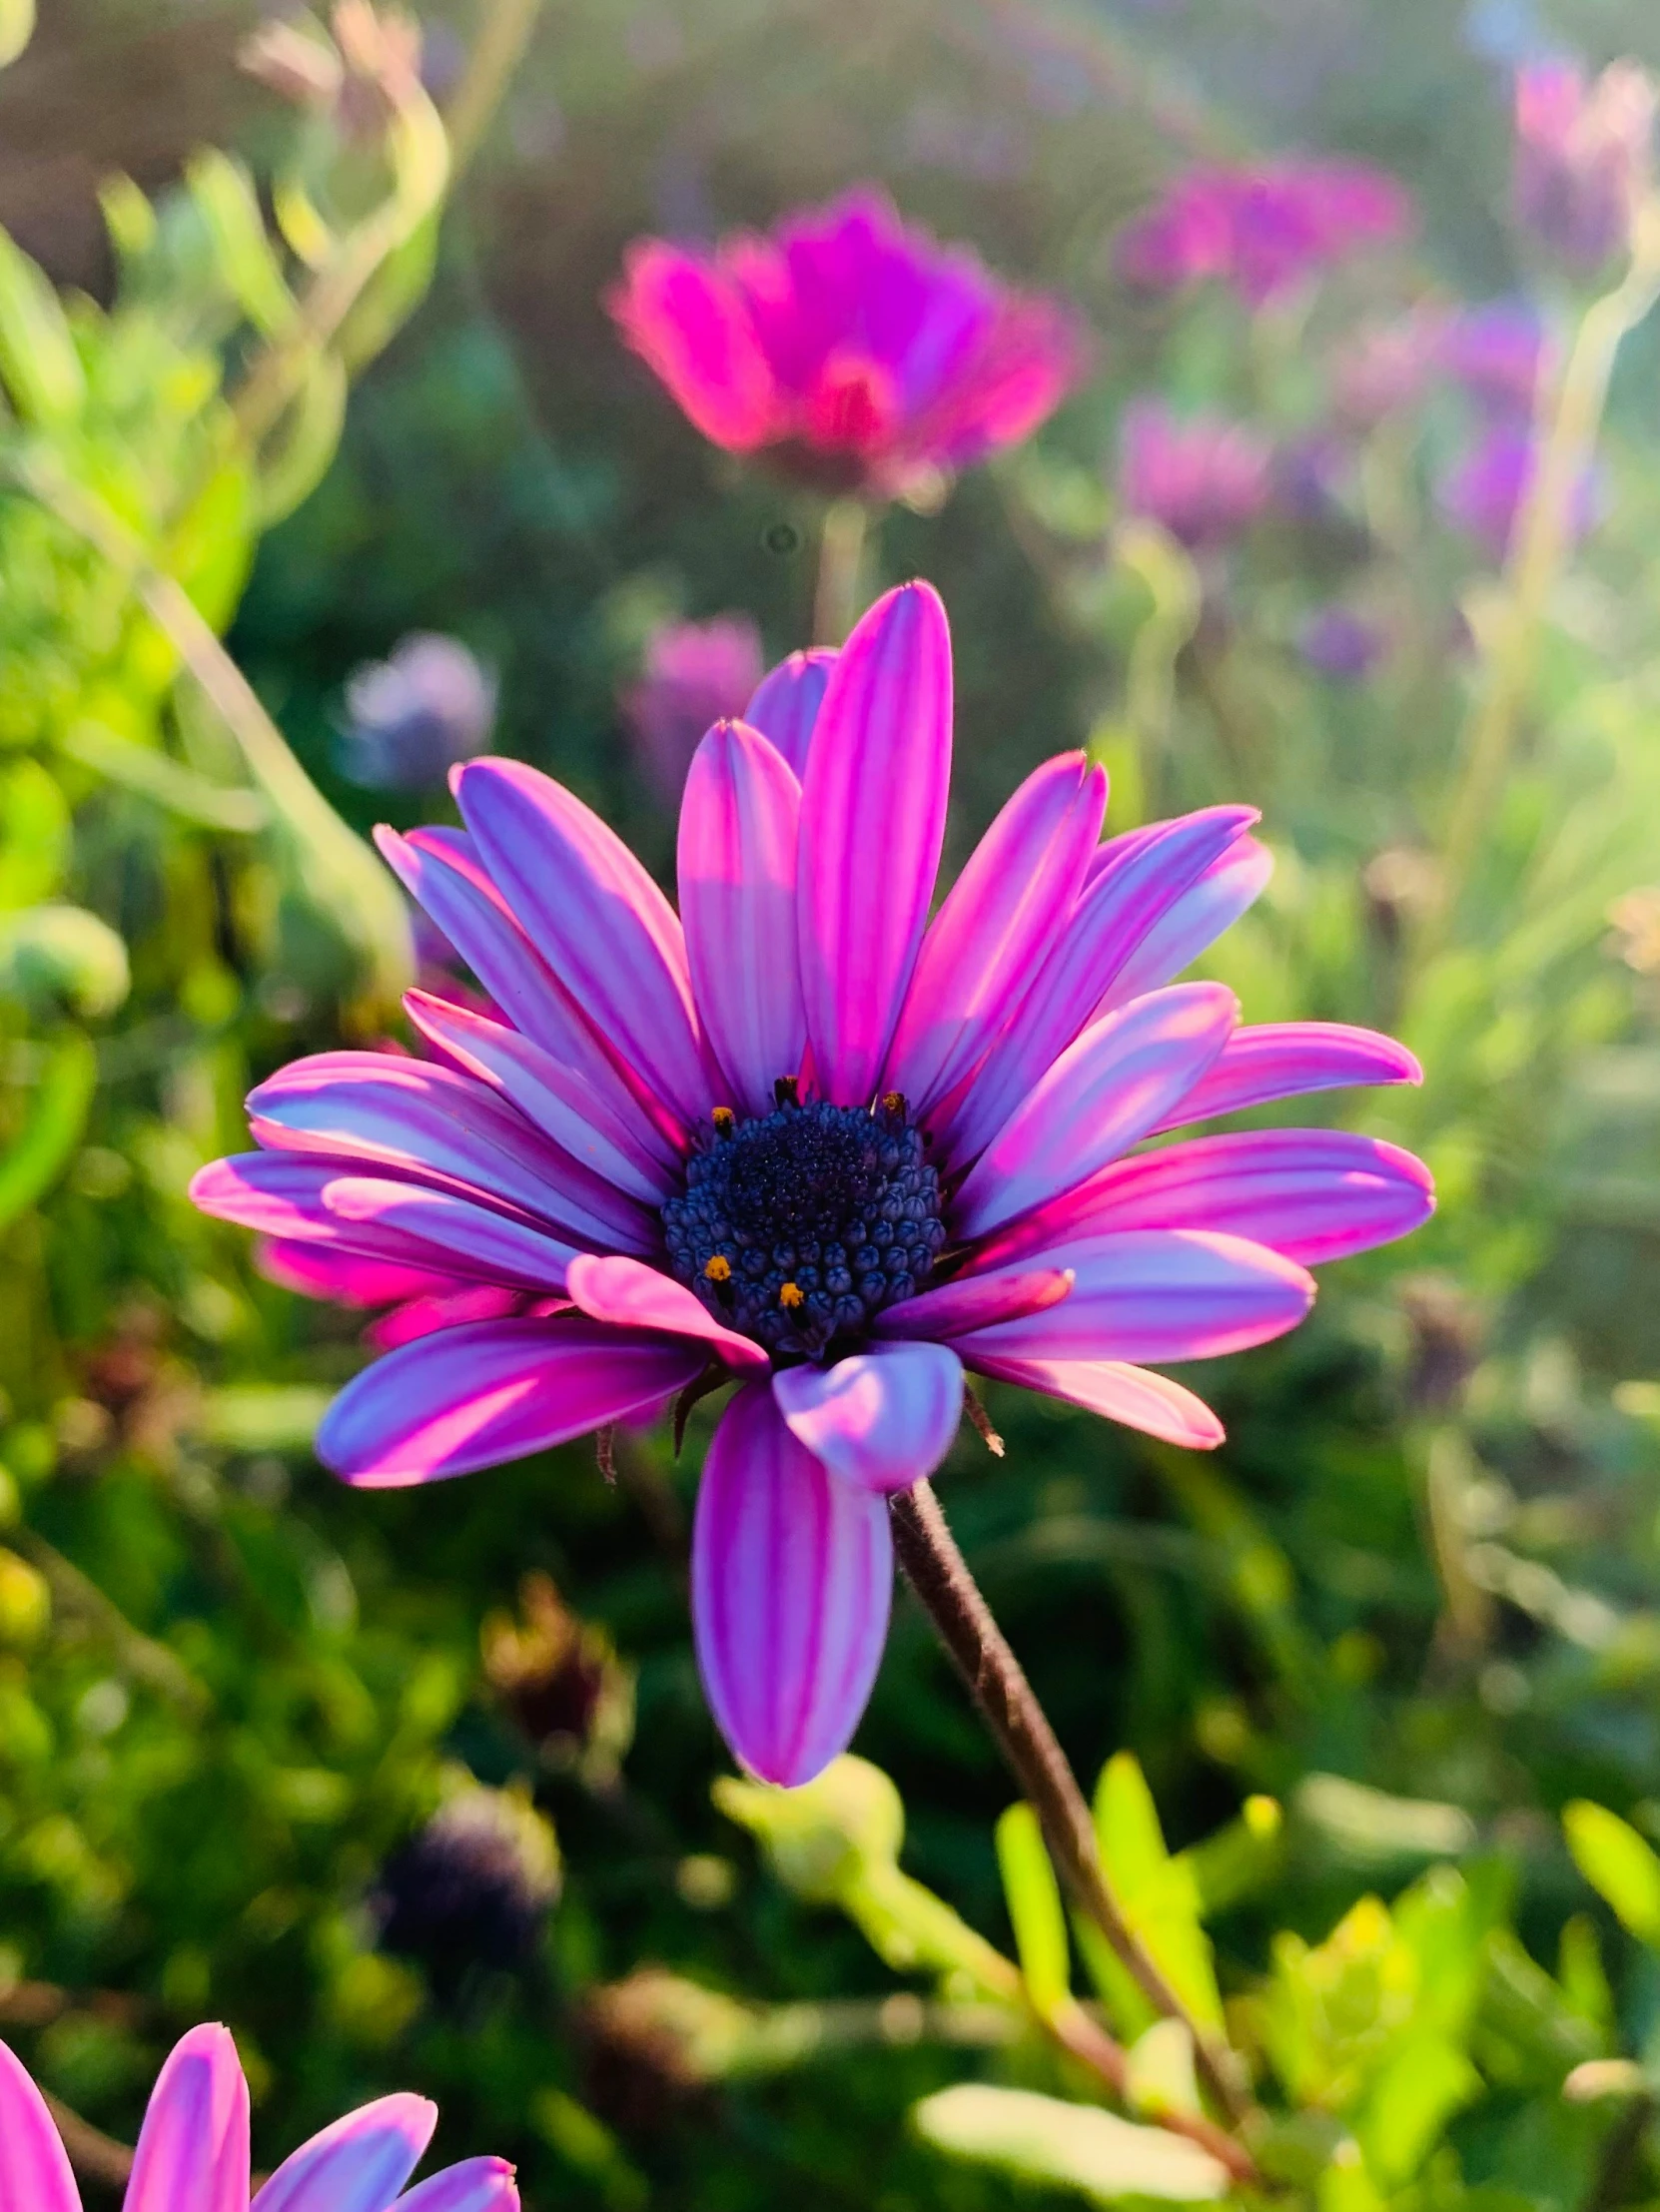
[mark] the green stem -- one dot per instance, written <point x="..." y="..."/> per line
<point x="498" y="51"/>
<point x="841" y="553"/>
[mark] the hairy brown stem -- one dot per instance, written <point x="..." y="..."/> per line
<point x="938" y="1573"/>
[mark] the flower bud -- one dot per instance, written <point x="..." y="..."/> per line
<point x="1583" y="157"/>
<point x="473" y="1887"/>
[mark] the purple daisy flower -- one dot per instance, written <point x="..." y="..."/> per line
<point x="801" y="1138"/>
<point x="193" y="2150"/>
<point x="1203" y="477"/>
<point x="863" y="352"/>
<point x="1264" y="228"/>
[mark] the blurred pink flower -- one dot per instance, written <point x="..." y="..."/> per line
<point x="1388" y="368"/>
<point x="868" y="356"/>
<point x="1583" y="157"/>
<point x="193" y="2150"/>
<point x="812" y="1139"/>
<point x="1204" y="478"/>
<point x="1265" y="227"/>
<point x="1497" y="353"/>
<point x="694" y="674"/>
<point x="1484" y="491"/>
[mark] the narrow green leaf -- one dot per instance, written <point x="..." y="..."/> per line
<point x="293" y="466"/>
<point x="1127" y="1825"/>
<point x="62" y="953"/>
<point x="1069" y="2146"/>
<point x="151" y="773"/>
<point x="229" y="209"/>
<point x="52" y="1127"/>
<point x="35" y="835"/>
<point x="1618" y="1864"/>
<point x="38" y="361"/>
<point x="1034" y="1909"/>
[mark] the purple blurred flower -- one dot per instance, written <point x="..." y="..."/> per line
<point x="192" y="2149"/>
<point x="734" y="1144"/>
<point x="1485" y="492"/>
<point x="866" y="355"/>
<point x="1499" y="354"/>
<point x="1342" y="644"/>
<point x="694" y="675"/>
<point x="1265" y="227"/>
<point x="1204" y="478"/>
<point x="1389" y="367"/>
<point x="1583" y="157"/>
<point x="411" y="718"/>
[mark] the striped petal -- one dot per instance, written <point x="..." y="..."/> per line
<point x="322" y="1271"/>
<point x="739" y="824"/>
<point x="792" y="1578"/>
<point x="1207" y="911"/>
<point x="449" y="1309"/>
<point x="785" y="706"/>
<point x="476" y="2185"/>
<point x="597" y="918"/>
<point x="976" y="1301"/>
<point x="1155" y="1294"/>
<point x="34" y="2172"/>
<point x="471" y="1397"/>
<point x="191" y="2153"/>
<point x="1288" y="1059"/>
<point x="882" y="1419"/>
<point x="997" y="923"/>
<point x="1103" y="1093"/>
<point x="359" y="2164"/>
<point x="1134" y="1396"/>
<point x="471" y="1239"/>
<point x="634" y="1296"/>
<point x="871" y="826"/>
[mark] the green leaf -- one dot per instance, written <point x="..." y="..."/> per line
<point x="1369" y="1826"/>
<point x="1618" y="1864"/>
<point x="1161" y="2069"/>
<point x="229" y="209"/>
<point x="292" y="470"/>
<point x="1069" y="2146"/>
<point x="1410" y="2103"/>
<point x="52" y="1127"/>
<point x="153" y="775"/>
<point x="38" y="362"/>
<point x="34" y="834"/>
<point x="1237" y="1859"/>
<point x="52" y="954"/>
<point x="262" y="1417"/>
<point x="1158" y="1897"/>
<point x="1035" y="1910"/>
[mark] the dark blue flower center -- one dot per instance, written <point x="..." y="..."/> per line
<point x="799" y="1227"/>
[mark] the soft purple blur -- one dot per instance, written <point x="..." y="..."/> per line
<point x="694" y="674"/>
<point x="1203" y="478"/>
<point x="1385" y="368"/>
<point x="1499" y="354"/>
<point x="1265" y="227"/>
<point x="866" y="356"/>
<point x="411" y="717"/>
<point x="1338" y="643"/>
<point x="1583" y="157"/>
<point x="1483" y="493"/>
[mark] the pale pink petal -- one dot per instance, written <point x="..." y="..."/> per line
<point x="33" y="2172"/>
<point x="476" y="2185"/>
<point x="1228" y="888"/>
<point x="1133" y="882"/>
<point x="552" y="1094"/>
<point x="1155" y="1294"/>
<point x="596" y="918"/>
<point x="285" y="1195"/>
<point x="739" y="821"/>
<point x="1105" y="1093"/>
<point x="1286" y="1059"/>
<point x="1312" y="1194"/>
<point x="974" y="1301"/>
<point x="471" y="1239"/>
<point x="1135" y="1396"/>
<point x="446" y="1129"/>
<point x="357" y="2165"/>
<point x="882" y="1419"/>
<point x="872" y="825"/>
<point x="635" y="1296"/>
<point x="792" y="1578"/>
<point x="469" y="1397"/>
<point x="995" y="928"/>
<point x="191" y="2153"/>
<point x="785" y="707"/>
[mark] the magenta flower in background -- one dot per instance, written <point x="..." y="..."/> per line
<point x="1483" y="493"/>
<point x="694" y="674"/>
<point x="1204" y="478"/>
<point x="192" y="2153"/>
<point x="1498" y="355"/>
<point x="411" y="717"/>
<point x="804" y="1140"/>
<point x="1262" y="228"/>
<point x="1583" y="157"/>
<point x="849" y="344"/>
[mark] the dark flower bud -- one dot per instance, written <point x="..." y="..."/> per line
<point x="473" y="1888"/>
<point x="560" y="1679"/>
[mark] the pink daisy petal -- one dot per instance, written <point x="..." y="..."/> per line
<point x="872" y="825"/>
<point x="792" y="1578"/>
<point x="1107" y="1091"/>
<point x="357" y="2165"/>
<point x="640" y="1298"/>
<point x="476" y="2185"/>
<point x="448" y="1309"/>
<point x="785" y="707"/>
<point x="1155" y="1294"/>
<point x="1228" y="888"/>
<point x="686" y="319"/>
<point x="471" y="1239"/>
<point x="997" y="923"/>
<point x="599" y="921"/>
<point x="323" y="1272"/>
<point x="1135" y="1396"/>
<point x="35" y="2174"/>
<point x="1288" y="1059"/>
<point x="976" y="1301"/>
<point x="497" y="1390"/>
<point x="280" y="1195"/>
<point x="881" y="1419"/>
<point x="739" y="822"/>
<point x="191" y="2153"/>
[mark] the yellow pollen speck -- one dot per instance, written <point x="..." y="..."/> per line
<point x="718" y="1269"/>
<point x="792" y="1295"/>
<point x="725" y="1121"/>
<point x="894" y="1103"/>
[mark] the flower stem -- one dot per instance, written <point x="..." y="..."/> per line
<point x="499" y="49"/>
<point x="938" y="1573"/>
<point x="841" y="552"/>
